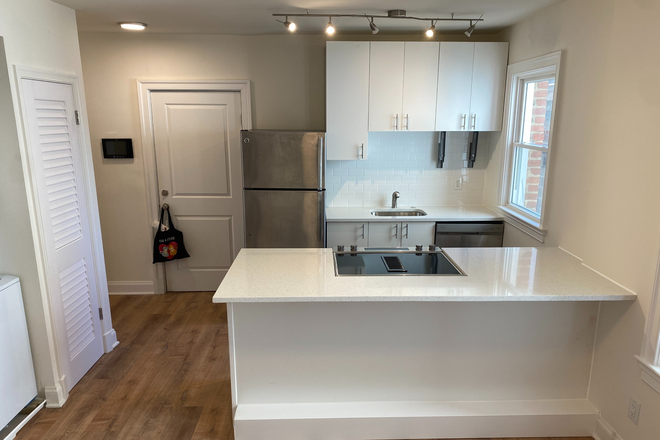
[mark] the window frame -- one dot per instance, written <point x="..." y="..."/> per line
<point x="649" y="360"/>
<point x="518" y="75"/>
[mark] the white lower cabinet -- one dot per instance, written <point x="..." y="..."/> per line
<point x="385" y="234"/>
<point x="380" y="234"/>
<point x="414" y="233"/>
<point x="347" y="233"/>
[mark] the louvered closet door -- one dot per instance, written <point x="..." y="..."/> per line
<point x="57" y="164"/>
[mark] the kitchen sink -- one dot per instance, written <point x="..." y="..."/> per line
<point x="397" y="212"/>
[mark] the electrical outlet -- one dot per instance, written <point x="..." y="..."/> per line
<point x="458" y="183"/>
<point x="633" y="410"/>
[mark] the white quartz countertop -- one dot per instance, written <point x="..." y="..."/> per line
<point x="434" y="214"/>
<point x="493" y="274"/>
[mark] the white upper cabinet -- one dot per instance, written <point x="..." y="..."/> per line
<point x="471" y="81"/>
<point x="420" y="82"/>
<point x="488" y="83"/>
<point x="454" y="86"/>
<point x="402" y="86"/>
<point x="386" y="86"/>
<point x="347" y="100"/>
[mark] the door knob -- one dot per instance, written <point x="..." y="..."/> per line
<point x="165" y="192"/>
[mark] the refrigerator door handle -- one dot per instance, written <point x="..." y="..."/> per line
<point x="321" y="150"/>
<point x="321" y="215"/>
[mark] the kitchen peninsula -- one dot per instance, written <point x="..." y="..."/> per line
<point x="504" y="351"/>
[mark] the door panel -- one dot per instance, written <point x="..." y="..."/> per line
<point x="384" y="234"/>
<point x="414" y="233"/>
<point x="347" y="99"/>
<point x="198" y="156"/>
<point x="488" y="84"/>
<point x="300" y="219"/>
<point x="386" y="86"/>
<point x="347" y="234"/>
<point x="269" y="157"/>
<point x="420" y="86"/>
<point x="454" y="86"/>
<point x="55" y="149"/>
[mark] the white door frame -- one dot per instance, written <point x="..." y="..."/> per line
<point x="56" y="396"/>
<point x="145" y="88"/>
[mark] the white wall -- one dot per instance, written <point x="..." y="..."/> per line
<point x="39" y="34"/>
<point x="604" y="182"/>
<point x="407" y="162"/>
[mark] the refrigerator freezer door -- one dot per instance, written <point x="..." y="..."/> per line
<point x="285" y="219"/>
<point x="283" y="160"/>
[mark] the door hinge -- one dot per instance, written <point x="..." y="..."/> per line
<point x="101" y="313"/>
<point x="77" y="115"/>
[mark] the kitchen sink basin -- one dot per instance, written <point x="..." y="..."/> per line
<point x="397" y="212"/>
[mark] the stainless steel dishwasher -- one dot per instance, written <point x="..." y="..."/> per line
<point x="469" y="234"/>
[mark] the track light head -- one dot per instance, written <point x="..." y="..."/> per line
<point x="289" y="25"/>
<point x="431" y="31"/>
<point x="330" y="29"/>
<point x="471" y="29"/>
<point x="372" y="25"/>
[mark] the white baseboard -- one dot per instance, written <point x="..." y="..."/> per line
<point x="604" y="431"/>
<point x="110" y="341"/>
<point x="56" y="396"/>
<point x="131" y="288"/>
<point x="415" y="420"/>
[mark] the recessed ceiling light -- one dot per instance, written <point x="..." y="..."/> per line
<point x="133" y="26"/>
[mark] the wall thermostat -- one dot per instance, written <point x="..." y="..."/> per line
<point x="117" y="148"/>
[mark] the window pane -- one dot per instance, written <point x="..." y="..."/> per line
<point x="537" y="111"/>
<point x="528" y="180"/>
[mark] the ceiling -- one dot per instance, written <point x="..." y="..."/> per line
<point x="253" y="17"/>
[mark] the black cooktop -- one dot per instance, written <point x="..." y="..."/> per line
<point x="400" y="262"/>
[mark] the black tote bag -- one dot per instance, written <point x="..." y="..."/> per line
<point x="168" y="245"/>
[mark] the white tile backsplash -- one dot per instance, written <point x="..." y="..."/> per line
<point x="407" y="162"/>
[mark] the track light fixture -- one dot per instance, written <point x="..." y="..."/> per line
<point x="470" y="29"/>
<point x="397" y="14"/>
<point x="431" y="31"/>
<point x="330" y="29"/>
<point x="372" y="25"/>
<point x="288" y="24"/>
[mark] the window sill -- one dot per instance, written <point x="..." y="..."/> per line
<point x="650" y="374"/>
<point x="522" y="223"/>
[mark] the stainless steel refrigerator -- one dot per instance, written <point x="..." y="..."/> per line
<point x="284" y="189"/>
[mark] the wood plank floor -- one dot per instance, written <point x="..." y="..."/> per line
<point x="168" y="378"/>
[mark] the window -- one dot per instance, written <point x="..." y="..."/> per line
<point x="531" y="103"/>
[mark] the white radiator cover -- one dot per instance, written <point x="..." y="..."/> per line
<point x="17" y="383"/>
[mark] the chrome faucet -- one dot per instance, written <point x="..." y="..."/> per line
<point x="395" y="198"/>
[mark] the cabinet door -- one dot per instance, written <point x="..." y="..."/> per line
<point x="420" y="84"/>
<point x="454" y="86"/>
<point x="347" y="100"/>
<point x="414" y="233"/>
<point x="488" y="83"/>
<point x="384" y="234"/>
<point x="347" y="234"/>
<point x="386" y="86"/>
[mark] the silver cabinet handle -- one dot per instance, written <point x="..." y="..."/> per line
<point x="407" y="227"/>
<point x="396" y="122"/>
<point x="396" y="231"/>
<point x="407" y="122"/>
<point x="363" y="229"/>
<point x="361" y="152"/>
<point x="463" y="121"/>
<point x="474" y="121"/>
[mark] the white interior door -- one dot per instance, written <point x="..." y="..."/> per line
<point x="420" y="85"/>
<point x="386" y="86"/>
<point x="198" y="156"/>
<point x="454" y="86"/>
<point x="58" y="167"/>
